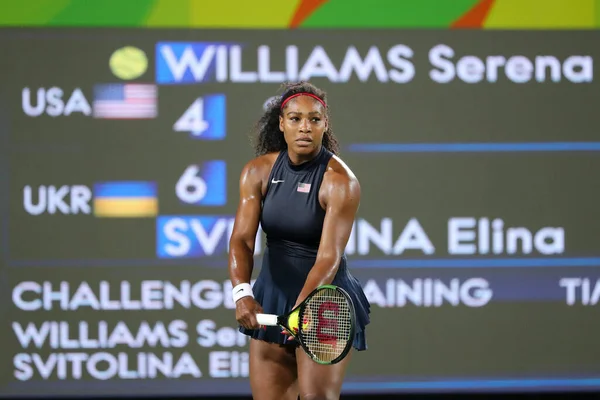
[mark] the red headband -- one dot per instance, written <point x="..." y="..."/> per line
<point x="302" y="94"/>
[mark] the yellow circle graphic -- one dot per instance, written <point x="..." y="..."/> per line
<point x="128" y="63"/>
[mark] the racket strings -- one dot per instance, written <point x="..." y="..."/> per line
<point x="326" y="325"/>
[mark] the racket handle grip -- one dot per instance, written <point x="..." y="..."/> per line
<point x="266" y="319"/>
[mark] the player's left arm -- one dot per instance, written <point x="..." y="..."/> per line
<point x="341" y="197"/>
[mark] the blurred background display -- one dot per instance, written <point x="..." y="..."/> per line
<point x="471" y="126"/>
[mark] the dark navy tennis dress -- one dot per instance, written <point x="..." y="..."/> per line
<point x="292" y="219"/>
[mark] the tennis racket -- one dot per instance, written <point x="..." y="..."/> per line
<point x="323" y="324"/>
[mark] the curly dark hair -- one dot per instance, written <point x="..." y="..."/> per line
<point x="268" y="138"/>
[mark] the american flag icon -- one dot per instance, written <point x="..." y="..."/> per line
<point x="125" y="101"/>
<point x="303" y="187"/>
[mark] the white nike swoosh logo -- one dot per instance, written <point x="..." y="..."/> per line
<point x="274" y="181"/>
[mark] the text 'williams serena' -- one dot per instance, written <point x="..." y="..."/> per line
<point x="193" y="62"/>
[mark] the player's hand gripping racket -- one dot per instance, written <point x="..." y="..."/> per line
<point x="323" y="324"/>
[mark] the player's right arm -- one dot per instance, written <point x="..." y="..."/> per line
<point x="243" y="238"/>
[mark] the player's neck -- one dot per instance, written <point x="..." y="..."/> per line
<point x="299" y="159"/>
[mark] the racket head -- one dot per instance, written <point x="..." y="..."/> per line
<point x="327" y="324"/>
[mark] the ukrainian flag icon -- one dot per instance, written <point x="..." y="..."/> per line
<point x="125" y="199"/>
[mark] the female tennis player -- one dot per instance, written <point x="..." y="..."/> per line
<point x="305" y="199"/>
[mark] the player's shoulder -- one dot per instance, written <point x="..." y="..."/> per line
<point x="340" y="175"/>
<point x="260" y="166"/>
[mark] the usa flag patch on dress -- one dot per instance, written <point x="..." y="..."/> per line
<point x="303" y="187"/>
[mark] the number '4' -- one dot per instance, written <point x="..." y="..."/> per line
<point x="192" y="119"/>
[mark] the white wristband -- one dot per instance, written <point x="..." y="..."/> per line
<point x="241" y="290"/>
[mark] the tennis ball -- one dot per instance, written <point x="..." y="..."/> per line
<point x="128" y="63"/>
<point x="294" y="322"/>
